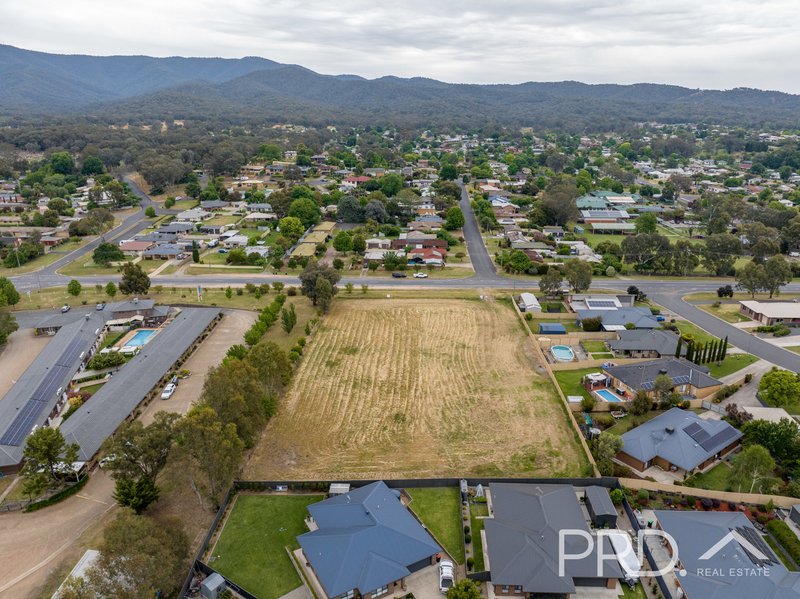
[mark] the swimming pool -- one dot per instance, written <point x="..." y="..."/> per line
<point x="562" y="353"/>
<point x="140" y="338"/>
<point x="609" y="396"/>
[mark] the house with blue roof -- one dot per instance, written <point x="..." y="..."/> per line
<point x="723" y="556"/>
<point x="678" y="441"/>
<point x="366" y="542"/>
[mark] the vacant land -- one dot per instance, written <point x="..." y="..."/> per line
<point x="394" y="388"/>
<point x="727" y="312"/>
<point x="251" y="548"/>
<point x="439" y="508"/>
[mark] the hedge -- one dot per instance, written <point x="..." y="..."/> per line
<point x="787" y="539"/>
<point x="60" y="496"/>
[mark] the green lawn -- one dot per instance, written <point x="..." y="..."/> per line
<point x="794" y="348"/>
<point x="700" y="335"/>
<point x="636" y="593"/>
<point x="44" y="260"/>
<point x="570" y="381"/>
<point x="440" y="510"/>
<point x="569" y="325"/>
<point x="727" y="312"/>
<point x="476" y="526"/>
<point x="594" y="346"/>
<point x="715" y="479"/>
<point x="602" y="356"/>
<point x="251" y="549"/>
<point x="223" y="220"/>
<point x="732" y="363"/>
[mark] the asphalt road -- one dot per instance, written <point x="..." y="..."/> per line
<point x="665" y="292"/>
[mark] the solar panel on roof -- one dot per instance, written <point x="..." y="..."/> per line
<point x="50" y="384"/>
<point x="692" y="428"/>
<point x="71" y="353"/>
<point x="721" y="437"/>
<point x="681" y="379"/>
<point x="23" y="423"/>
<point x="757" y="541"/>
<point x="601" y="303"/>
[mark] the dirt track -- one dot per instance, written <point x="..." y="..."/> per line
<point x="417" y="388"/>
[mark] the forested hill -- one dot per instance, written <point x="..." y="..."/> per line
<point x="133" y="88"/>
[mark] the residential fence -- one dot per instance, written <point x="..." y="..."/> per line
<point x="651" y="560"/>
<point x="730" y="497"/>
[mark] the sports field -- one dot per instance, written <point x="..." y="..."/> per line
<point x="416" y="387"/>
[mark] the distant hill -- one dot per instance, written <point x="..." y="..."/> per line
<point x="140" y="87"/>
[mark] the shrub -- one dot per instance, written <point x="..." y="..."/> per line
<point x="787" y="539"/>
<point x="592" y="325"/>
<point x="528" y="316"/>
<point x="466" y="530"/>
<point x="748" y="377"/>
<point x="470" y="563"/>
<point x="643" y="496"/>
<point x="616" y="496"/>
<point x="587" y="403"/>
<point x="291" y="291"/>
<point x="468" y="539"/>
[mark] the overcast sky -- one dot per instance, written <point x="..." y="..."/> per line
<point x="697" y="43"/>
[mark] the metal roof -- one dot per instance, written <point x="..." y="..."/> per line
<point x="522" y="539"/>
<point x="663" y="342"/>
<point x="31" y="400"/>
<point x="600" y="500"/>
<point x="680" y="437"/>
<point x="642" y="375"/>
<point x="713" y="545"/>
<point x="641" y="318"/>
<point x="366" y="539"/>
<point x="99" y="417"/>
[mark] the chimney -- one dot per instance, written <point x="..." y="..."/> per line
<point x="670" y="429"/>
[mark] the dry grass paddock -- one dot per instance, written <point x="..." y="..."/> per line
<point x="414" y="387"/>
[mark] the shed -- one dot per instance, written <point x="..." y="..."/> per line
<point x="528" y="302"/>
<point x="213" y="586"/>
<point x="552" y="328"/>
<point x="601" y="508"/>
<point x="338" y="489"/>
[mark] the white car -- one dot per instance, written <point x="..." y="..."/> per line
<point x="420" y="275"/>
<point x="168" y="391"/>
<point x="107" y="460"/>
<point x="446" y="575"/>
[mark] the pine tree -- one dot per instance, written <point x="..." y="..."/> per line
<point x="724" y="348"/>
<point x="679" y="347"/>
<point x="690" y="351"/>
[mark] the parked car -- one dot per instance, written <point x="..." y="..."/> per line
<point x="446" y="575"/>
<point x="65" y="308"/>
<point x="107" y="460"/>
<point x="168" y="391"/>
<point x="174" y="380"/>
<point x="100" y="306"/>
<point x="420" y="275"/>
<point x="222" y="251"/>
<point x="213" y="243"/>
<point x="399" y="275"/>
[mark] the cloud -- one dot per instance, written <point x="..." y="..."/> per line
<point x="713" y="43"/>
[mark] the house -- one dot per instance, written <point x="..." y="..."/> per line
<point x="260" y="207"/>
<point x="770" y="313"/>
<point x="617" y="320"/>
<point x="134" y="247"/>
<point x="581" y="301"/>
<point x="644" y="343"/>
<point x="612" y="228"/>
<point x="434" y="256"/>
<point x="163" y="251"/>
<point x="725" y="557"/>
<point x="157" y="237"/>
<point x="366" y="543"/>
<point x="176" y="228"/>
<point x="416" y="242"/>
<point x="378" y="243"/>
<point x="523" y="537"/>
<point x="213" y="205"/>
<point x="556" y="232"/>
<point x="603" y="216"/>
<point x="678" y="441"/>
<point x="213" y="229"/>
<point x="260" y="217"/>
<point x="590" y="202"/>
<point x="236" y="241"/>
<point x="377" y="255"/>
<point x="690" y="380"/>
<point x="193" y="215"/>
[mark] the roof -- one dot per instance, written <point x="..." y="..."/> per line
<point x="157" y="237"/>
<point x="612" y="226"/>
<point x="774" y="309"/>
<point x="164" y="249"/>
<point x="522" y="539"/>
<point x="88" y="560"/>
<point x="709" y="576"/>
<point x="641" y="318"/>
<point x="642" y="375"/>
<point x="304" y="249"/>
<point x="135" y="245"/>
<point x="590" y="203"/>
<point x="551" y="327"/>
<point x="31" y="400"/>
<point x="365" y="540"/>
<point x="605" y="214"/>
<point x="692" y="439"/>
<point x="600" y="500"/>
<point x="133" y="305"/>
<point x="99" y="417"/>
<point x="663" y="342"/>
<point x="528" y="299"/>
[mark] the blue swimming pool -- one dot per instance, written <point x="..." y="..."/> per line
<point x="609" y="396"/>
<point x="140" y="338"/>
<point x="562" y="353"/>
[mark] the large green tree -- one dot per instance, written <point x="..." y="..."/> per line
<point x="310" y="274"/>
<point x="578" y="274"/>
<point x="9" y="296"/>
<point x="45" y="453"/>
<point x="454" y="219"/>
<point x="777" y="273"/>
<point x="291" y="228"/>
<point x="305" y="210"/>
<point x="8" y="324"/>
<point x="752" y="470"/>
<point x="134" y="280"/>
<point x="780" y="388"/>
<point x="720" y="253"/>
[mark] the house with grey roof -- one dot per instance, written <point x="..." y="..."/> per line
<point x="723" y="556"/>
<point x="644" y="343"/>
<point x="689" y="379"/>
<point x="176" y="227"/>
<point x="366" y="543"/>
<point x="617" y="320"/>
<point x="678" y="441"/>
<point x="522" y="543"/>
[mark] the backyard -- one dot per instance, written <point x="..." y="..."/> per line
<point x="251" y="549"/>
<point x="439" y="509"/>
<point x="376" y="387"/>
<point x="715" y="479"/>
<point x="478" y="512"/>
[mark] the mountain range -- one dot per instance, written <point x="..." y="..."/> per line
<point x="133" y="88"/>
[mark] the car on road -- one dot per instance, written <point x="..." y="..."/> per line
<point x="100" y="306"/>
<point x="446" y="575"/>
<point x="420" y="275"/>
<point x="168" y="391"/>
<point x="65" y="308"/>
<point x="399" y="275"/>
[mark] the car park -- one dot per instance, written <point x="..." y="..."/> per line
<point x="168" y="391"/>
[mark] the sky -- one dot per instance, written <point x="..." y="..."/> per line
<point x="716" y="44"/>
